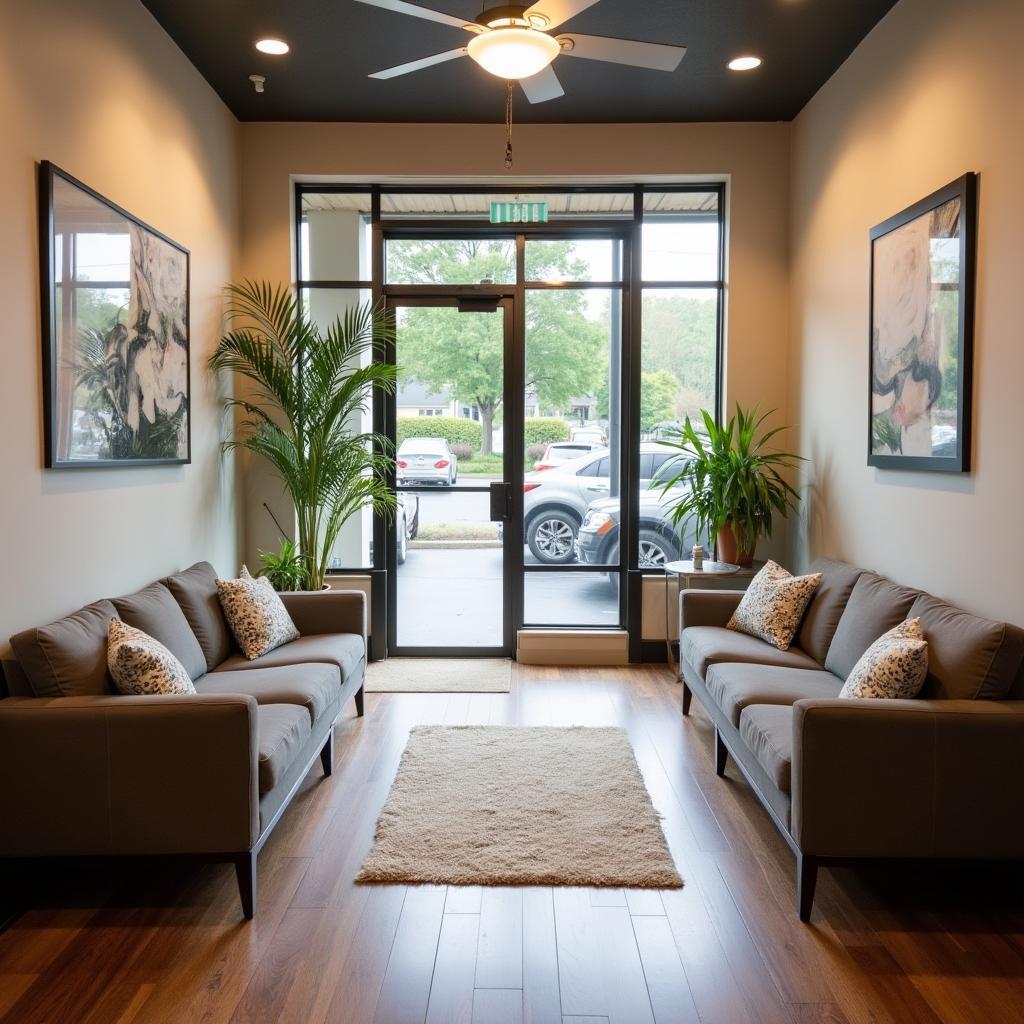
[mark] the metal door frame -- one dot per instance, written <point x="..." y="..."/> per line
<point x="486" y="298"/>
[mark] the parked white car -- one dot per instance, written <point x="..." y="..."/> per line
<point x="556" y="500"/>
<point x="426" y="460"/>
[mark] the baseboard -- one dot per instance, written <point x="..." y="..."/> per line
<point x="572" y="647"/>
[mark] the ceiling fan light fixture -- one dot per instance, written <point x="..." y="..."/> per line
<point x="513" y="52"/>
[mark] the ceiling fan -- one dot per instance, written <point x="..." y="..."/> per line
<point x="514" y="42"/>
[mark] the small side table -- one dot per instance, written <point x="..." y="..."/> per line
<point x="685" y="573"/>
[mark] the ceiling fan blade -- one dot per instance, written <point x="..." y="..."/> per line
<point x="401" y="7"/>
<point x="656" y="56"/>
<point x="542" y="86"/>
<point x="557" y="11"/>
<point x="416" y="65"/>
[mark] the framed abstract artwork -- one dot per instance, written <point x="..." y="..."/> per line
<point x="115" y="325"/>
<point x="921" y="336"/>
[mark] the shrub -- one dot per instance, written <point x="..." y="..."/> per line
<point x="545" y="430"/>
<point x="535" y="451"/>
<point x="462" y="452"/>
<point x="453" y="429"/>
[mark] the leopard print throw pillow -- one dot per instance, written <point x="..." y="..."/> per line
<point x="773" y="605"/>
<point x="141" y="665"/>
<point x="894" y="666"/>
<point x="256" y="615"/>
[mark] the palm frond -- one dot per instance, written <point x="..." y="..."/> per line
<point x="305" y="389"/>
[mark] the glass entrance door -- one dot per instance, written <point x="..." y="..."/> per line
<point x="455" y="467"/>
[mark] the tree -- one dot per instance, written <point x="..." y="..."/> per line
<point x="443" y="348"/>
<point x="657" y="398"/>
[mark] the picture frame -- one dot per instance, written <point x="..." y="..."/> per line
<point x="921" y="332"/>
<point x="115" y="308"/>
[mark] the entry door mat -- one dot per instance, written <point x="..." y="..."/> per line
<point x="439" y="675"/>
<point x="515" y="805"/>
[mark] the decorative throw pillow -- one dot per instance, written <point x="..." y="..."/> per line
<point x="140" y="665"/>
<point x="894" y="666"/>
<point x="773" y="605"/>
<point x="256" y="614"/>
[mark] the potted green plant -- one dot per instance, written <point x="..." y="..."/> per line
<point x="285" y="569"/>
<point x="733" y="481"/>
<point x="303" y="388"/>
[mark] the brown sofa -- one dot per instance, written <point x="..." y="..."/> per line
<point x="85" y="771"/>
<point x="845" y="780"/>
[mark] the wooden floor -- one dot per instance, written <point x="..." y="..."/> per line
<point x="168" y="944"/>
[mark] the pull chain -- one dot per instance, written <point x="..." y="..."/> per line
<point x="508" y="126"/>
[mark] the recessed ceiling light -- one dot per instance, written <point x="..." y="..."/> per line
<point x="744" y="63"/>
<point x="274" y="46"/>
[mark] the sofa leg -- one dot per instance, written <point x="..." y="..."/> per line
<point x="359" y="702"/>
<point x="721" y="754"/>
<point x="806" y="878"/>
<point x="245" y="869"/>
<point x="327" y="753"/>
<point x="687" y="697"/>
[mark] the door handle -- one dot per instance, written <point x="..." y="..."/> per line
<point x="501" y="502"/>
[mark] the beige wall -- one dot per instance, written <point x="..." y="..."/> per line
<point x="934" y="91"/>
<point x="98" y="88"/>
<point x="753" y="157"/>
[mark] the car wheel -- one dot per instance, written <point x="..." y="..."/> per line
<point x="402" y="547"/>
<point x="551" y="537"/>
<point x="655" y="550"/>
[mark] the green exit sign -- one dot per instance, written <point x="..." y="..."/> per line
<point x="519" y="212"/>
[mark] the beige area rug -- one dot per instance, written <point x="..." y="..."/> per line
<point x="513" y="805"/>
<point x="439" y="675"/>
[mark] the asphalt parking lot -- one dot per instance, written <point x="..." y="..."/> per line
<point x="452" y="597"/>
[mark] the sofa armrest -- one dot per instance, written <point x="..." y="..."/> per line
<point x="906" y="778"/>
<point x="119" y="774"/>
<point x="330" y="611"/>
<point x="707" y="607"/>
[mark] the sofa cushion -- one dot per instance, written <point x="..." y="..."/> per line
<point x="826" y="607"/>
<point x="774" y="605"/>
<point x="141" y="665"/>
<point x="735" y="687"/>
<point x="281" y="731"/>
<point x="875" y="606"/>
<point x="968" y="657"/>
<point x="767" y="730"/>
<point x="68" y="658"/>
<point x="313" y="686"/>
<point x="257" y="617"/>
<point x="195" y="590"/>
<point x="154" y="611"/>
<point x="346" y="651"/>
<point x="892" y="668"/>
<point x="703" y="646"/>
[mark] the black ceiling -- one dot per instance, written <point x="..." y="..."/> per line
<point x="337" y="43"/>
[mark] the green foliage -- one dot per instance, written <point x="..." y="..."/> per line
<point x="732" y="476"/>
<point x="657" y="398"/>
<point x="286" y="569"/>
<point x="454" y="429"/>
<point x="462" y="452"/>
<point x="887" y="433"/>
<point x="303" y="389"/>
<point x="544" y="430"/>
<point x="679" y="335"/>
<point x="465" y="352"/>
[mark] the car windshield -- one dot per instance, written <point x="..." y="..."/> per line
<point x="421" y="446"/>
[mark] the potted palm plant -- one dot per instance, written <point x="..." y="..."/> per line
<point x="303" y="390"/>
<point x="732" y="480"/>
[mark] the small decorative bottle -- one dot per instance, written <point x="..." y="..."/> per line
<point x="698" y="558"/>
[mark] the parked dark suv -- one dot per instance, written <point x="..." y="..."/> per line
<point x="660" y="542"/>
